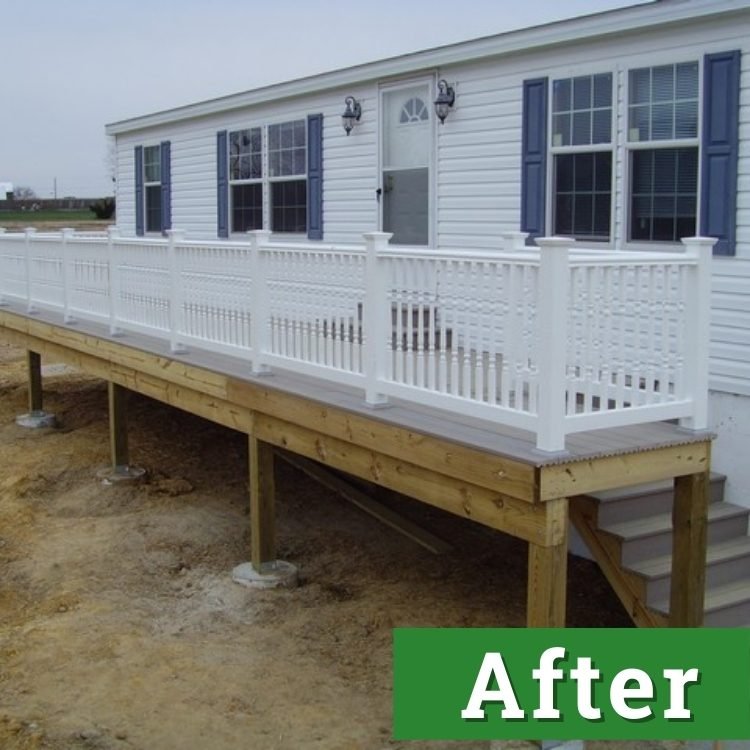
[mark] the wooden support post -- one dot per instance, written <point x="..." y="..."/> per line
<point x="36" y="417"/>
<point x="262" y="504"/>
<point x="120" y="471"/>
<point x="689" y="523"/>
<point x="34" y="362"/>
<point x="118" y="425"/>
<point x="548" y="572"/>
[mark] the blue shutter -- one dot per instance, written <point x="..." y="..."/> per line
<point x="315" y="177"/>
<point x="166" y="185"/>
<point x="720" y="147"/>
<point x="222" y="185"/>
<point x="139" y="207"/>
<point x="534" y="158"/>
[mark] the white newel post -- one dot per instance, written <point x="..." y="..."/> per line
<point x="67" y="235"/>
<point x="552" y="319"/>
<point x="3" y="303"/>
<point x="697" y="329"/>
<point x="114" y="280"/>
<point x="174" y="236"/>
<point x="28" y="234"/>
<point x="376" y="317"/>
<point x="259" y="309"/>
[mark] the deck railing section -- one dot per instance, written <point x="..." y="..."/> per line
<point x="553" y="339"/>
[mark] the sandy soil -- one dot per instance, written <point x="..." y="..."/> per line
<point x="121" y="628"/>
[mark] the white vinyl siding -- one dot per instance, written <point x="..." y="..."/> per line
<point x="478" y="157"/>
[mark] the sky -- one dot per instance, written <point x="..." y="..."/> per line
<point x="72" y="66"/>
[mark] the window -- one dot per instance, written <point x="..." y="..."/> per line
<point x="152" y="188"/>
<point x="245" y="175"/>
<point x="663" y="152"/>
<point x="287" y="156"/>
<point x="268" y="177"/>
<point x="582" y="156"/>
<point x="668" y="171"/>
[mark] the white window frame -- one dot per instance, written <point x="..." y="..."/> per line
<point x="622" y="148"/>
<point x="628" y="147"/>
<point x="265" y="180"/>
<point x="151" y="184"/>
<point x="248" y="181"/>
<point x="553" y="151"/>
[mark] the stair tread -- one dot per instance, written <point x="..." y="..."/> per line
<point x="639" y="490"/>
<point x="718" y="597"/>
<point x="716" y="552"/>
<point x="657" y="524"/>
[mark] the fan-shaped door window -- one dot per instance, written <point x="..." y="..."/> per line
<point x="415" y="110"/>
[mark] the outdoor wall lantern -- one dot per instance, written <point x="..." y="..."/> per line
<point x="352" y="113"/>
<point x="445" y="99"/>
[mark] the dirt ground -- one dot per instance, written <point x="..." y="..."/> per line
<point x="120" y="626"/>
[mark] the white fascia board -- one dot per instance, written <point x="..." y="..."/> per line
<point x="619" y="21"/>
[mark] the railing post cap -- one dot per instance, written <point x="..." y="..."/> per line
<point x="29" y="230"/>
<point x="112" y="232"/>
<point x="699" y="241"/>
<point x="259" y="237"/>
<point x="382" y="236"/>
<point x="178" y="234"/>
<point x="67" y="232"/>
<point x="3" y="230"/>
<point x="556" y="241"/>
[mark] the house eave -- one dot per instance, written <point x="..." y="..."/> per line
<point x="615" y="22"/>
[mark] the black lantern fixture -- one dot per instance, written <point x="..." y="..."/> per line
<point x="352" y="113"/>
<point x="445" y="99"/>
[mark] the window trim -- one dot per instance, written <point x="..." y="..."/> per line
<point x="621" y="147"/>
<point x="150" y="184"/>
<point x="629" y="146"/>
<point x="589" y="148"/>
<point x="265" y="179"/>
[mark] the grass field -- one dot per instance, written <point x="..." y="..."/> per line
<point x="33" y="217"/>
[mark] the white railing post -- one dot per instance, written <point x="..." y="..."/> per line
<point x="174" y="236"/>
<point x="552" y="335"/>
<point x="114" y="280"/>
<point x="3" y="303"/>
<point x="259" y="308"/>
<point x="376" y="317"/>
<point x="29" y="232"/>
<point x="67" y="235"/>
<point x="697" y="329"/>
<point x="515" y="241"/>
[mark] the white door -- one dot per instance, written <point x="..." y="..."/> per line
<point x="405" y="168"/>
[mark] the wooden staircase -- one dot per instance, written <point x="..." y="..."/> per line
<point x="629" y="533"/>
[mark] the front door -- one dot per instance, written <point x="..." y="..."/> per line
<point x="407" y="147"/>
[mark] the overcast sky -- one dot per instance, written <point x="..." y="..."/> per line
<point x="71" y="66"/>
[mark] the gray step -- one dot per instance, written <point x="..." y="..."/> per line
<point x="627" y="503"/>
<point x="726" y="562"/>
<point x="727" y="606"/>
<point x="650" y="537"/>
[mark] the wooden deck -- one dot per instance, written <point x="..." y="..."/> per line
<point x="493" y="475"/>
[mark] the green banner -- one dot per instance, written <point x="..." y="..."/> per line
<point x="563" y="684"/>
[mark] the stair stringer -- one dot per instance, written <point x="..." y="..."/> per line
<point x="630" y="588"/>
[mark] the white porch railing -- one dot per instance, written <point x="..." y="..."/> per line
<point x="553" y="339"/>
